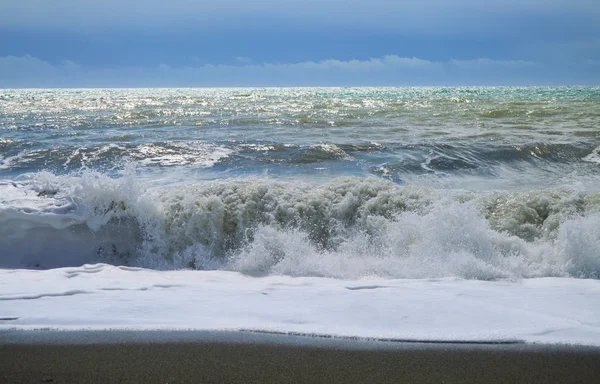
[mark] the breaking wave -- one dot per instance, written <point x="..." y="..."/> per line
<point x="346" y="228"/>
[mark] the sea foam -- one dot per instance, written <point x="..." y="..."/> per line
<point x="348" y="227"/>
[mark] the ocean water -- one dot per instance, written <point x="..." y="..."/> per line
<point x="477" y="183"/>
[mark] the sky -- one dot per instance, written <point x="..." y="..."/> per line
<point x="198" y="43"/>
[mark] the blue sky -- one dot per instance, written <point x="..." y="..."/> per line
<point x="135" y="43"/>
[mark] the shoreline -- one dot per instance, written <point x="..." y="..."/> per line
<point x="251" y="357"/>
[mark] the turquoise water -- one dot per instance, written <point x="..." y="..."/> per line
<point x="480" y="182"/>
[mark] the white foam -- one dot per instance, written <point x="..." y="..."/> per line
<point x="179" y="153"/>
<point x="548" y="310"/>
<point x="345" y="228"/>
<point x="593" y="157"/>
<point x="10" y="161"/>
<point x="450" y="240"/>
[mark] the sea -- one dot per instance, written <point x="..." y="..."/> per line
<point x="480" y="183"/>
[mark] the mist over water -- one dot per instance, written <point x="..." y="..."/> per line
<point x="480" y="183"/>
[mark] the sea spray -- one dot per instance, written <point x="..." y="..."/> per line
<point x="348" y="227"/>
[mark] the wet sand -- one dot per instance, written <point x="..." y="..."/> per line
<point x="240" y="357"/>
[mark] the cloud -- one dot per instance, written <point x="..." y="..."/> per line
<point x="290" y="35"/>
<point x="29" y="71"/>
<point x="373" y="64"/>
<point x="485" y="63"/>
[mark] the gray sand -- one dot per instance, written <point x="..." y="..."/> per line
<point x="238" y="357"/>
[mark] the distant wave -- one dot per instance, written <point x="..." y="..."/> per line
<point x="404" y="158"/>
<point x="113" y="155"/>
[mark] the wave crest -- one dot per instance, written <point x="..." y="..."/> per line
<point x="348" y="227"/>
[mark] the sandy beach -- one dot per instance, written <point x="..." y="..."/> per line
<point x="240" y="357"/>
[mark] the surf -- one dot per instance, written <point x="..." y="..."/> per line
<point x="348" y="227"/>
